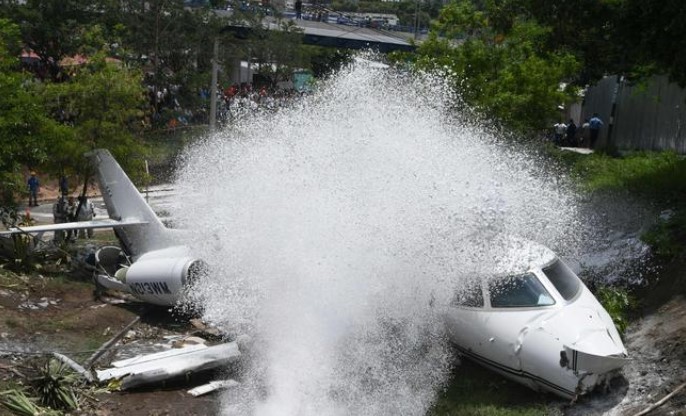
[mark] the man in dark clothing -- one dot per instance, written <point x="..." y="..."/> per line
<point x="33" y="184"/>
<point x="298" y="9"/>
<point x="64" y="185"/>
<point x="571" y="134"/>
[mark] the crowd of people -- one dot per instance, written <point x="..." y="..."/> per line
<point x="571" y="135"/>
<point x="66" y="209"/>
<point x="231" y="100"/>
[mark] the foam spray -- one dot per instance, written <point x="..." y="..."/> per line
<point x="336" y="229"/>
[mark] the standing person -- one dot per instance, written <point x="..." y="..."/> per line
<point x="64" y="185"/>
<point x="298" y="9"/>
<point x="571" y="133"/>
<point x="59" y="215"/>
<point x="71" y="216"/>
<point x="560" y="130"/>
<point x="594" y="126"/>
<point x="86" y="212"/>
<point x="34" y="185"/>
<point x="585" y="134"/>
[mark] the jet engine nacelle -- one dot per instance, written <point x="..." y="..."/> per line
<point x="161" y="280"/>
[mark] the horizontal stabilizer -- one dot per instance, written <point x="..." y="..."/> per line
<point x="111" y="283"/>
<point x="105" y="223"/>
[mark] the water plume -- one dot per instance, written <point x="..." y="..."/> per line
<point x="338" y="227"/>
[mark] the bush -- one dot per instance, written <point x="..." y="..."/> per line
<point x="617" y="302"/>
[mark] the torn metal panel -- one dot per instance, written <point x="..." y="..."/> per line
<point x="140" y="359"/>
<point x="74" y="366"/>
<point x="212" y="386"/>
<point x="171" y="364"/>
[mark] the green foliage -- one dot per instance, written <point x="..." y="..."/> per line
<point x="502" y="67"/>
<point x="617" y="302"/>
<point x="668" y="236"/>
<point x="281" y="51"/>
<point x="654" y="37"/>
<point x="25" y="128"/>
<point x="101" y="106"/>
<point x="55" y="386"/>
<point x="19" y="403"/>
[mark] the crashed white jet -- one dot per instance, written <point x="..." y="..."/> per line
<point x="153" y="267"/>
<point x="533" y="320"/>
<point x="529" y="318"/>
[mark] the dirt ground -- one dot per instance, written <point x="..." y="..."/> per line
<point x="52" y="313"/>
<point x="60" y="314"/>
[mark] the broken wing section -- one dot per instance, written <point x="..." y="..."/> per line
<point x="67" y="226"/>
<point x="170" y="365"/>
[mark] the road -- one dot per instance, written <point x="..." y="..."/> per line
<point x="159" y="197"/>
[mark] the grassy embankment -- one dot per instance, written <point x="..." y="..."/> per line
<point x="660" y="179"/>
<point x="657" y="177"/>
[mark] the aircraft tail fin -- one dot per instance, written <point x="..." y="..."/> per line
<point x="125" y="203"/>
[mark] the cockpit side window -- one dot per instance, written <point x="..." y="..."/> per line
<point x="469" y="295"/>
<point x="564" y="280"/>
<point x="524" y="290"/>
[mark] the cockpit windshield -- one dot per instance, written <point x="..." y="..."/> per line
<point x="523" y="290"/>
<point x="564" y="280"/>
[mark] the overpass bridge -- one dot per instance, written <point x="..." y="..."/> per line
<point x="351" y="37"/>
<point x="342" y="36"/>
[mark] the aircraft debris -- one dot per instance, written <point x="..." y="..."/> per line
<point x="168" y="365"/>
<point x="42" y="303"/>
<point x="212" y="386"/>
<point x="74" y="366"/>
<point x="110" y="343"/>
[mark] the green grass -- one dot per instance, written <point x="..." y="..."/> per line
<point x="657" y="177"/>
<point x="475" y="391"/>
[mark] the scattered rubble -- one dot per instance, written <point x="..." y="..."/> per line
<point x="212" y="386"/>
<point x="42" y="303"/>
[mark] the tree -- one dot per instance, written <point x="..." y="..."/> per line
<point x="171" y="43"/>
<point x="278" y="53"/>
<point x="586" y="29"/>
<point x="652" y="36"/>
<point x="52" y="28"/>
<point x="502" y="67"/>
<point x="103" y="104"/>
<point x="25" y="128"/>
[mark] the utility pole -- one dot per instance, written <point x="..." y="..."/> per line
<point x="416" y="19"/>
<point x="613" y="111"/>
<point x="213" y="87"/>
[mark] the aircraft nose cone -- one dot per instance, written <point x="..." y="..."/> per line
<point x="598" y="341"/>
<point x="585" y="330"/>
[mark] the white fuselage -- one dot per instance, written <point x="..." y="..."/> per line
<point x="528" y="331"/>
